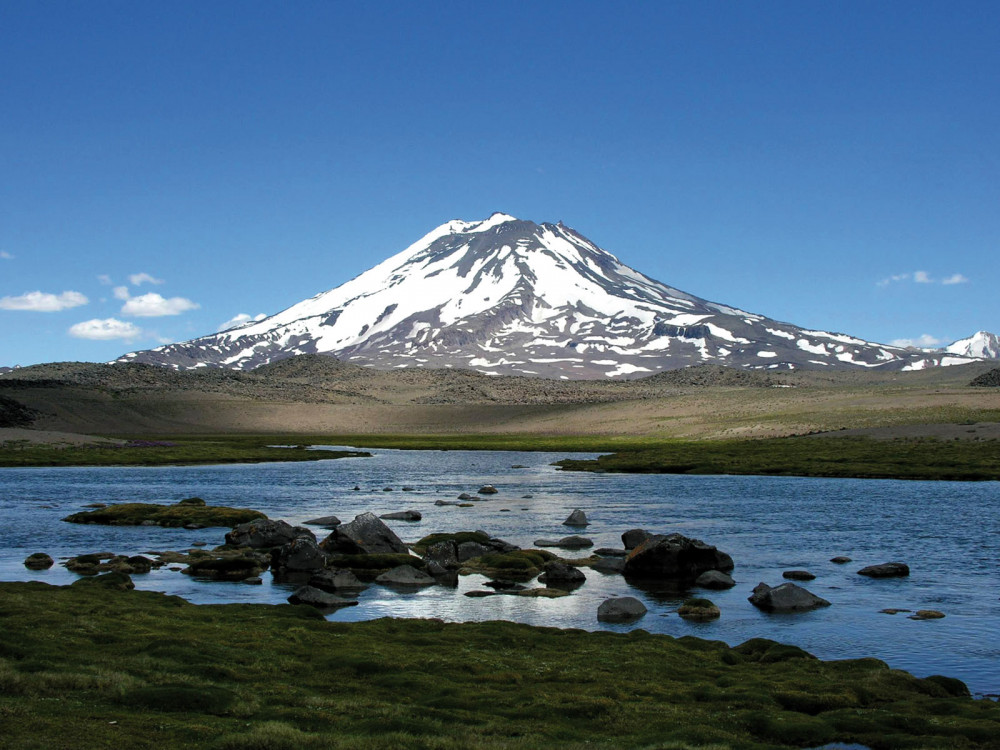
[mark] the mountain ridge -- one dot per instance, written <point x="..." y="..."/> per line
<point x="505" y="296"/>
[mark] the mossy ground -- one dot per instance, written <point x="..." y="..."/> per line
<point x="180" y="514"/>
<point x="809" y="456"/>
<point x="90" y="667"/>
<point x="859" y="457"/>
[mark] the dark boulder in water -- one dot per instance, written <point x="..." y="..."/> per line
<point x="788" y="597"/>
<point x="675" y="559"/>
<point x="365" y="535"/>
<point x="886" y="570"/>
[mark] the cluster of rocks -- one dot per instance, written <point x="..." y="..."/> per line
<point x="333" y="571"/>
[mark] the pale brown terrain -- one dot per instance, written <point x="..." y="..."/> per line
<point x="318" y="395"/>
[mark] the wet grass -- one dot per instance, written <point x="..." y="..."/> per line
<point x="857" y="457"/>
<point x="166" y="452"/>
<point x="89" y="667"/>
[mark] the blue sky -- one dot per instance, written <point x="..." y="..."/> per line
<point x="166" y="167"/>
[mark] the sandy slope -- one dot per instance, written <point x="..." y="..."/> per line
<point x="314" y="396"/>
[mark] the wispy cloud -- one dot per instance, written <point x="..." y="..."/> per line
<point x="105" y="330"/>
<point x="238" y="320"/>
<point x="921" y="277"/>
<point x="121" y="292"/>
<point x="152" y="305"/>
<point x="137" y="279"/>
<point x="4" y="255"/>
<point x="955" y="279"/>
<point x="43" y="301"/>
<point x="923" y="342"/>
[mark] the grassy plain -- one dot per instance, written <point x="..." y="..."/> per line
<point x="107" y="668"/>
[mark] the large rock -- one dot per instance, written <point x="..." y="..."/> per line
<point x="301" y="554"/>
<point x="577" y="518"/>
<point x="405" y="575"/>
<point x="675" y="559"/>
<point x="560" y="574"/>
<point x="788" y="597"/>
<point x="262" y="533"/>
<point x="886" y="570"/>
<point x="319" y="598"/>
<point x="365" y="535"/>
<point x="634" y="537"/>
<point x="621" y="609"/>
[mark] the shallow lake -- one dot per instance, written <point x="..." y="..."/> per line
<point x="947" y="532"/>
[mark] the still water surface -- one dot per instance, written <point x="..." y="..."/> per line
<point x="947" y="532"/>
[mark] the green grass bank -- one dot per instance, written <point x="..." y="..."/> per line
<point x="819" y="456"/>
<point x="86" y="666"/>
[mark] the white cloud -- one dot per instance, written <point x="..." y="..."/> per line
<point x="138" y="279"/>
<point x="893" y="279"/>
<point x="924" y="342"/>
<point x="104" y="279"/>
<point x="121" y="292"/>
<point x="239" y="320"/>
<point x="43" y="301"/>
<point x="152" y="305"/>
<point x="921" y="277"/>
<point x="4" y="255"/>
<point x="105" y="330"/>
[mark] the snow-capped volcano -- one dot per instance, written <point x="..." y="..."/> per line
<point x="982" y="344"/>
<point x="506" y="296"/>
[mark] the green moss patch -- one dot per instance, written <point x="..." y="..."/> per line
<point x="190" y="512"/>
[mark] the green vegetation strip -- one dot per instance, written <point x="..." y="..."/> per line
<point x="863" y="458"/>
<point x="86" y="666"/>
<point x="167" y="451"/>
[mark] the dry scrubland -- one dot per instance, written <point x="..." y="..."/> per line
<point x="318" y="395"/>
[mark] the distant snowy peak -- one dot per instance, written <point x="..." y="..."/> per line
<point x="507" y="296"/>
<point x="982" y="344"/>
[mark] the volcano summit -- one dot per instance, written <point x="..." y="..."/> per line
<point x="506" y="296"/>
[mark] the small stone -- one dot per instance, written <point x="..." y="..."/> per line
<point x="198" y="544"/>
<point x="403" y="515"/>
<point x="608" y="565"/>
<point x="253" y="581"/>
<point x="387" y="489"/>
<point x="798" y="575"/>
<point x="408" y="489"/>
<point x="714" y="579"/>
<point x="465" y="496"/>
<point x="326" y="522"/>
<point x="927" y="614"/>
<point x="39" y="561"/>
<point x="699" y="610"/>
<point x="893" y="611"/>
<point x="317" y="598"/>
<point x="567" y="542"/>
<point x="886" y="570"/>
<point x="527" y="497"/>
<point x="404" y="575"/>
<point x="488" y="489"/>
<point x="577" y="518"/>
<point x="610" y="552"/>
<point x="840" y="560"/>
